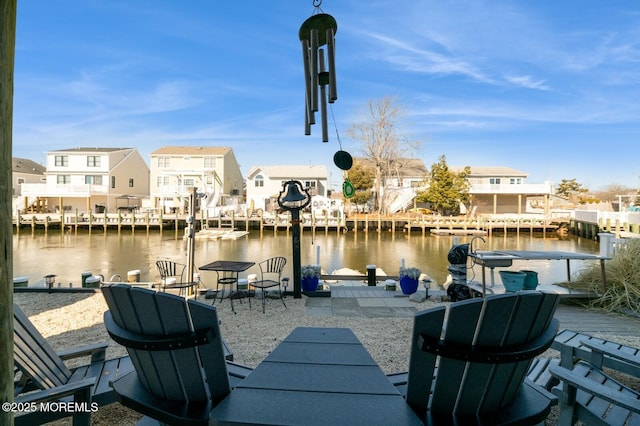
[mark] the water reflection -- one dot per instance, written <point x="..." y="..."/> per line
<point x="68" y="254"/>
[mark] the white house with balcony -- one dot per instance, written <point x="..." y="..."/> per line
<point x="176" y="170"/>
<point x="90" y="179"/>
<point x="264" y="183"/>
<point x="503" y="190"/>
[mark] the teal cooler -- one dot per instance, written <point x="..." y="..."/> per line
<point x="512" y="280"/>
<point x="531" y="280"/>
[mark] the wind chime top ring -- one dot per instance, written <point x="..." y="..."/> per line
<point x="317" y="3"/>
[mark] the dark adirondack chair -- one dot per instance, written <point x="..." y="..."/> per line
<point x="43" y="375"/>
<point x="482" y="356"/>
<point x="177" y="350"/>
<point x="587" y="391"/>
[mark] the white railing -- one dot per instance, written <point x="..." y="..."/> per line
<point x="525" y="188"/>
<point x="597" y="217"/>
<point x="55" y="190"/>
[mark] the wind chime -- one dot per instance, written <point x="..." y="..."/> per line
<point x="316" y="32"/>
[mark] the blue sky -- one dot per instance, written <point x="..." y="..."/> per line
<point x="550" y="88"/>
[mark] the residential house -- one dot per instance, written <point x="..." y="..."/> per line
<point x="399" y="182"/>
<point x="176" y="170"/>
<point x="91" y="179"/>
<point x="264" y="183"/>
<point x="501" y="190"/>
<point x="24" y="171"/>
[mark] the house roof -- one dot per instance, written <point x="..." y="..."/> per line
<point x="192" y="150"/>
<point x="290" y="172"/>
<point x="24" y="165"/>
<point x="410" y="167"/>
<point x="91" y="149"/>
<point x="490" y="171"/>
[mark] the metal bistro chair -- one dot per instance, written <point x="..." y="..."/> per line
<point x="270" y="276"/>
<point x="172" y="277"/>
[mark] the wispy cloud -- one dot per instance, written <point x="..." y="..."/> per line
<point x="528" y="82"/>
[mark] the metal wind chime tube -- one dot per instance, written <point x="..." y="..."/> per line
<point x="323" y="101"/>
<point x="317" y="31"/>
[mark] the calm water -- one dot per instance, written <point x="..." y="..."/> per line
<point x="67" y="255"/>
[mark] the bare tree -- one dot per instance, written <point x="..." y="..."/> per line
<point x="7" y="53"/>
<point x="380" y="142"/>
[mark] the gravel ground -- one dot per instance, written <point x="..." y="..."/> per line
<point x="71" y="320"/>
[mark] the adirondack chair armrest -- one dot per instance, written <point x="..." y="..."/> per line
<point x="574" y="381"/>
<point x="97" y="351"/>
<point x="149" y="342"/>
<point x="541" y="390"/>
<point x="598" y="349"/>
<point x="81" y="391"/>
<point x="490" y="354"/>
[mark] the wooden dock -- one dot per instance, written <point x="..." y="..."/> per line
<point x="398" y="223"/>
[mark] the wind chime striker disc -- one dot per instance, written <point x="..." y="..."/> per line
<point x="343" y="160"/>
<point x="347" y="189"/>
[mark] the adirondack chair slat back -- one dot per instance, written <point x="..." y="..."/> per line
<point x="469" y="387"/>
<point x="192" y="373"/>
<point x="34" y="356"/>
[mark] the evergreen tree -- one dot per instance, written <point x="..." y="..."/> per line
<point x="446" y="189"/>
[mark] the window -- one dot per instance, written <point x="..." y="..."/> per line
<point x="310" y="184"/>
<point x="515" y="181"/>
<point x="93" y="161"/>
<point x="494" y="181"/>
<point x="189" y="182"/>
<point x="130" y="182"/>
<point x="20" y="181"/>
<point x="162" y="181"/>
<point x="63" y="179"/>
<point x="209" y="162"/>
<point x="93" y="180"/>
<point x="208" y="180"/>
<point x="164" y="162"/>
<point x="113" y="181"/>
<point x="258" y="181"/>
<point x="62" y="160"/>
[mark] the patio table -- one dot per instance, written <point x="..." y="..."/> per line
<point x="228" y="272"/>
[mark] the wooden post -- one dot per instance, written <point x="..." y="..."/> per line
<point x="7" y="54"/>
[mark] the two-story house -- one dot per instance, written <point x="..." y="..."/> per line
<point x="501" y="190"/>
<point x="91" y="179"/>
<point x="213" y="170"/>
<point x="264" y="183"/>
<point x="24" y="171"/>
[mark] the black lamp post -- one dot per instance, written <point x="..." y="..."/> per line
<point x="294" y="198"/>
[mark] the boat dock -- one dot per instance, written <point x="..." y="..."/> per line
<point x="409" y="224"/>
